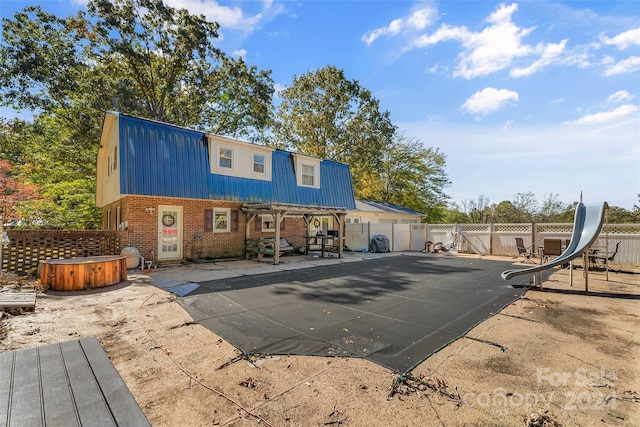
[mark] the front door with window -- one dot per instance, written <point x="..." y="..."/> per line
<point x="169" y="232"/>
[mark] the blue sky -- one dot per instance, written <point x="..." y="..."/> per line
<point x="521" y="96"/>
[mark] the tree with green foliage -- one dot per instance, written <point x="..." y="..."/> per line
<point x="618" y="215"/>
<point x="551" y="209"/>
<point x="477" y="211"/>
<point x="134" y="56"/>
<point x="13" y="192"/>
<point x="452" y="214"/>
<point x="412" y="176"/>
<point x="325" y="115"/>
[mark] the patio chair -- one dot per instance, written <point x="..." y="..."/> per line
<point x="523" y="251"/>
<point x="552" y="247"/>
<point x="601" y="261"/>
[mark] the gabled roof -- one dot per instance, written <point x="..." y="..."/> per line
<point x="386" y="207"/>
<point x="159" y="159"/>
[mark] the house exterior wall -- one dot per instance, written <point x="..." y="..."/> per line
<point x="140" y="213"/>
<point x="139" y="217"/>
<point x="110" y="215"/>
<point x="109" y="163"/>
<point x="144" y="164"/>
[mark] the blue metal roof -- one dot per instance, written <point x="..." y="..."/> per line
<point x="158" y="159"/>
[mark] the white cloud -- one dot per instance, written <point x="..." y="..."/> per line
<point x="549" y="53"/>
<point x="444" y="33"/>
<point x="489" y="100"/>
<point x="628" y="65"/>
<point x="621" y="95"/>
<point x="494" y="48"/>
<point x="435" y="68"/>
<point x="624" y="39"/>
<point x="240" y="53"/>
<point x="416" y="21"/>
<point x="607" y="116"/>
<point x="228" y="17"/>
<point x="278" y="88"/>
<point x="608" y="59"/>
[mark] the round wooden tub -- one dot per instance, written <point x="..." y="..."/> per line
<point x="74" y="274"/>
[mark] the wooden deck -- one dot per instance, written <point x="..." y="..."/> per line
<point x="66" y="384"/>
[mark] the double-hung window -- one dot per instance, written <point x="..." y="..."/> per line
<point x="258" y="163"/>
<point x="221" y="220"/>
<point x="226" y="158"/>
<point x="308" y="175"/>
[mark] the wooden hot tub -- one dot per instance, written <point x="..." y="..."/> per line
<point x="74" y="274"/>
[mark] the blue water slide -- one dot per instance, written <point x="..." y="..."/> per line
<point x="586" y="228"/>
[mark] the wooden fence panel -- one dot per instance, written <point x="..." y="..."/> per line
<point x="27" y="248"/>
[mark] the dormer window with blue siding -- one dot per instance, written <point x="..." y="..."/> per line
<point x="239" y="159"/>
<point x="307" y="171"/>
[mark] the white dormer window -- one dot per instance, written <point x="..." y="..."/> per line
<point x="226" y="158"/>
<point x="231" y="157"/>
<point x="307" y="171"/>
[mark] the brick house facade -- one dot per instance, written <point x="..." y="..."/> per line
<point x="182" y="194"/>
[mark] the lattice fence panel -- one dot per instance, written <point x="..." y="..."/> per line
<point x="475" y="228"/>
<point x="621" y="229"/>
<point x="554" y="228"/>
<point x="27" y="248"/>
<point x="512" y="228"/>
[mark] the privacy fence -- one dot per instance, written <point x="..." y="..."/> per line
<point x="492" y="239"/>
<point x="27" y="248"/>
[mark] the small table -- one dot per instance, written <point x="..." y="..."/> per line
<point x="326" y="243"/>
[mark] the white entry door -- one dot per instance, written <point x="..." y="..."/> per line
<point x="169" y="232"/>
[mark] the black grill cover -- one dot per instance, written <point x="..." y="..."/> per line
<point x="379" y="243"/>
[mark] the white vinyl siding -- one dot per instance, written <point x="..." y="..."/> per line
<point x="239" y="159"/>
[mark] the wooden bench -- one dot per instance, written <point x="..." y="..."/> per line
<point x="18" y="300"/>
<point x="261" y="246"/>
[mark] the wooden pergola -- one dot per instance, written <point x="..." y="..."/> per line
<point x="280" y="210"/>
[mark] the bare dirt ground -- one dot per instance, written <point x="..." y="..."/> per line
<point x="555" y="357"/>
